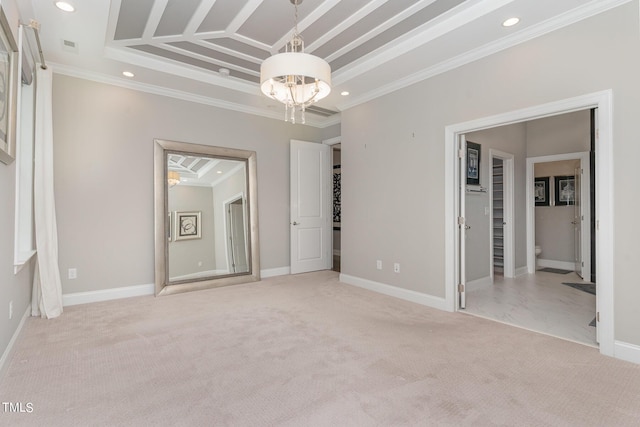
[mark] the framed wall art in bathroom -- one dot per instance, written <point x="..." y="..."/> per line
<point x="541" y="191"/>
<point x="565" y="190"/>
<point x="473" y="163"/>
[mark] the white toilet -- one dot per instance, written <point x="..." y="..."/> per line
<point x="538" y="252"/>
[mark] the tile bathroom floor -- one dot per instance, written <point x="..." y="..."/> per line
<point x="538" y="302"/>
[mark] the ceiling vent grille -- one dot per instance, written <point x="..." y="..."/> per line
<point x="320" y="111"/>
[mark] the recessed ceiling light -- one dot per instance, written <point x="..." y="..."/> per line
<point x="128" y="74"/>
<point x="63" y="5"/>
<point x="510" y="22"/>
<point x="219" y="171"/>
<point x="344" y="93"/>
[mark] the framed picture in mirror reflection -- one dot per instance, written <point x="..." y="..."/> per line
<point x="188" y="225"/>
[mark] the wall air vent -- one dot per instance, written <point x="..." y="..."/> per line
<point x="69" y="46"/>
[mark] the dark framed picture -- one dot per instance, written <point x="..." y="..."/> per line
<point x="473" y="163"/>
<point x="187" y="225"/>
<point x="565" y="190"/>
<point x="541" y="191"/>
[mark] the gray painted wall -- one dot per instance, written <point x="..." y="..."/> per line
<point x="104" y="176"/>
<point x="567" y="133"/>
<point x="379" y="136"/>
<point x="186" y="255"/>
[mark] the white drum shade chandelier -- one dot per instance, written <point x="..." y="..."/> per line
<point x="295" y="78"/>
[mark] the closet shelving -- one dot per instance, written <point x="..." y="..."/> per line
<point x="498" y="216"/>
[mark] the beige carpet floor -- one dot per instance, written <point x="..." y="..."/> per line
<point x="304" y="350"/>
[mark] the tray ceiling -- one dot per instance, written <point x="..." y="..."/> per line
<point x="184" y="48"/>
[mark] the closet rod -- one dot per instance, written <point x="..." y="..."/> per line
<point x="35" y="26"/>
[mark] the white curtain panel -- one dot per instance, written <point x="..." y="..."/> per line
<point x="47" y="289"/>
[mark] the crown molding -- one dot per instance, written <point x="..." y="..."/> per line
<point x="453" y="19"/>
<point x="578" y="14"/>
<point x="186" y="96"/>
<point x="149" y="61"/>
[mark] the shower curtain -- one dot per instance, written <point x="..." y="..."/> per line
<point x="47" y="289"/>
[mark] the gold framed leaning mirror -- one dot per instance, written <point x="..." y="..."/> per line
<point x="206" y="217"/>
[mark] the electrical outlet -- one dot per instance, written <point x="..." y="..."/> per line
<point x="379" y="264"/>
<point x="396" y="267"/>
<point x="73" y="273"/>
<point x="10" y="310"/>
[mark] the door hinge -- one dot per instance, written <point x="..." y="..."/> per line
<point x="461" y="153"/>
<point x="598" y="316"/>
<point x="460" y="220"/>
<point x="460" y="287"/>
<point x="583" y="263"/>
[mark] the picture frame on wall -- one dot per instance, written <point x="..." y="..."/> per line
<point x="473" y="163"/>
<point x="188" y="225"/>
<point x="541" y="191"/>
<point x="9" y="79"/>
<point x="565" y="190"/>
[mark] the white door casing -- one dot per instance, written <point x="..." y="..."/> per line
<point x="236" y="230"/>
<point x="310" y="217"/>
<point x="578" y="226"/>
<point x="585" y="213"/>
<point x="462" y="224"/>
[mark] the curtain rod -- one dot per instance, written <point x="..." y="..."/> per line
<point x="35" y="25"/>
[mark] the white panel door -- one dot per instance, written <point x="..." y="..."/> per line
<point x="310" y="219"/>
<point x="577" y="222"/>
<point x="462" y="226"/>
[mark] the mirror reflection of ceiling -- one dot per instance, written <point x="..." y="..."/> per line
<point x="202" y="171"/>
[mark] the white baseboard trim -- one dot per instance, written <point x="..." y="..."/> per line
<point x="626" y="351"/>
<point x="273" y="272"/>
<point x="139" y="290"/>
<point x="107" y="294"/>
<point x="394" y="291"/>
<point x="12" y="341"/>
<point x="564" y="265"/>
<point x="200" y="274"/>
<point x="479" y="282"/>
<point x="522" y="271"/>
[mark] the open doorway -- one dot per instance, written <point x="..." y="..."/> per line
<point x="236" y="230"/>
<point x="559" y="216"/>
<point x="456" y="221"/>
<point x="549" y="302"/>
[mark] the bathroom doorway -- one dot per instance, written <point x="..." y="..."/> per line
<point x="524" y="250"/>
<point x="559" y="214"/>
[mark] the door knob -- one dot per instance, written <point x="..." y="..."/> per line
<point x="296" y="223"/>
<point x="466" y="227"/>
